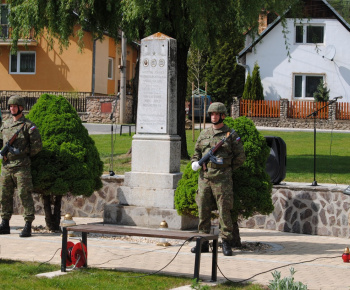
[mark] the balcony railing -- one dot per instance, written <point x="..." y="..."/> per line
<point x="6" y="33"/>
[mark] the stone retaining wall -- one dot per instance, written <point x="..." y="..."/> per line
<point x="299" y="208"/>
<point x="95" y="113"/>
<point x="305" y="209"/>
<point x="80" y="206"/>
<point x="98" y="108"/>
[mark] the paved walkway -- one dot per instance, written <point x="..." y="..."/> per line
<point x="316" y="259"/>
<point x="107" y="128"/>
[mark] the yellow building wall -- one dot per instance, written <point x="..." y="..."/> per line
<point x="69" y="71"/>
<point x="101" y="68"/>
<point x="112" y="51"/>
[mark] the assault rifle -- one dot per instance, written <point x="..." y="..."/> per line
<point x="210" y="155"/>
<point x="8" y="147"/>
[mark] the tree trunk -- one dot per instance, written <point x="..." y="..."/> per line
<point x="182" y="69"/>
<point x="236" y="241"/>
<point x="52" y="218"/>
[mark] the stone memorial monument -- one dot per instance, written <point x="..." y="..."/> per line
<point x="147" y="197"/>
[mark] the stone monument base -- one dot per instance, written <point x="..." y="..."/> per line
<point x="147" y="217"/>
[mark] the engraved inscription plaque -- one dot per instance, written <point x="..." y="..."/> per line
<point x="153" y="87"/>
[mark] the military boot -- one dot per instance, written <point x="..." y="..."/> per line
<point x="226" y="248"/>
<point x="204" y="249"/>
<point x="5" y="227"/>
<point x="27" y="230"/>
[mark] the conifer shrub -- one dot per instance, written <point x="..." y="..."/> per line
<point x="69" y="161"/>
<point x="256" y="89"/>
<point x="322" y="93"/>
<point x="252" y="185"/>
<point x="247" y="87"/>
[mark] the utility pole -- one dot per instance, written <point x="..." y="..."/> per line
<point x="122" y="67"/>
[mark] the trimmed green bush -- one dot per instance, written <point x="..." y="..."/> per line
<point x="69" y="161"/>
<point x="252" y="185"/>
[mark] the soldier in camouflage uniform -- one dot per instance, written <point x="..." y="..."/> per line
<point x="15" y="170"/>
<point x="215" y="185"/>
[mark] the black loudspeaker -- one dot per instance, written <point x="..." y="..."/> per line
<point x="277" y="160"/>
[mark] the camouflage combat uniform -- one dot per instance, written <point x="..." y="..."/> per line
<point x="15" y="171"/>
<point x="215" y="186"/>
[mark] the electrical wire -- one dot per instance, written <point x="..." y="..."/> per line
<point x="267" y="271"/>
<point x="217" y="265"/>
<point x="51" y="257"/>
<point x="158" y="271"/>
<point x="121" y="258"/>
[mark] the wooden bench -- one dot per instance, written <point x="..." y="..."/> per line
<point x="126" y="125"/>
<point x="154" y="233"/>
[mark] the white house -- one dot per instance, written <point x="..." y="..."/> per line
<point x="319" y="50"/>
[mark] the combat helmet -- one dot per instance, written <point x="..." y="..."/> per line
<point x="16" y="100"/>
<point x="217" y="107"/>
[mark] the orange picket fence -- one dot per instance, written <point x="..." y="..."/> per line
<point x="343" y="111"/>
<point x="261" y="108"/>
<point x="295" y="110"/>
<point x="302" y="110"/>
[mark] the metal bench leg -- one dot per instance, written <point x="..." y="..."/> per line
<point x="64" y="250"/>
<point x="84" y="240"/>
<point x="214" y="261"/>
<point x="197" y="261"/>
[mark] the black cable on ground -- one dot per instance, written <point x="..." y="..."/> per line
<point x="189" y="240"/>
<point x="267" y="271"/>
<point x="51" y="258"/>
<point x="156" y="272"/>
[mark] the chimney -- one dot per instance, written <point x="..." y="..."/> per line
<point x="262" y="21"/>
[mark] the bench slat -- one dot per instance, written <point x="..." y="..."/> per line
<point x="131" y="231"/>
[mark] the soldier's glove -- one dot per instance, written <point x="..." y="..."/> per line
<point x="195" y="166"/>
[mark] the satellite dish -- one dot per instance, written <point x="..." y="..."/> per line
<point x="329" y="52"/>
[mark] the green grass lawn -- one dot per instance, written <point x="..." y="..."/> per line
<point x="22" y="275"/>
<point x="332" y="155"/>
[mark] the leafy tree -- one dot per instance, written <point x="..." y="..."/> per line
<point x="69" y="162"/>
<point x="224" y="76"/>
<point x="252" y="185"/>
<point x="190" y="22"/>
<point x="247" y="88"/>
<point x="343" y="8"/>
<point x="322" y="93"/>
<point x="256" y="89"/>
<point x="196" y="61"/>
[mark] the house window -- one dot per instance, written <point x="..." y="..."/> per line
<point x="23" y="62"/>
<point x="110" y="68"/>
<point x="306" y="85"/>
<point x="4" y="21"/>
<point x="309" y="34"/>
